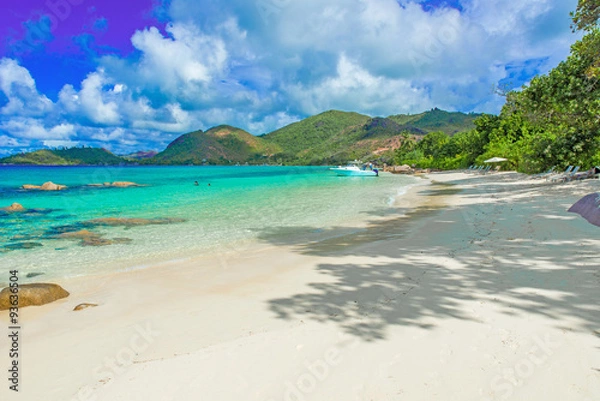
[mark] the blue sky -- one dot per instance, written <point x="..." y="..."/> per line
<point x="135" y="75"/>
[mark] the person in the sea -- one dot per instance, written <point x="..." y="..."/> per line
<point x="196" y="183"/>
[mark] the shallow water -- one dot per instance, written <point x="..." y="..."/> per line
<point x="239" y="204"/>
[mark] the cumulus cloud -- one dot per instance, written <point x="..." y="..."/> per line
<point x="17" y="84"/>
<point x="353" y="88"/>
<point x="261" y="65"/>
<point x="9" y="142"/>
<point x="96" y="102"/>
<point x="187" y="57"/>
<point x="29" y="128"/>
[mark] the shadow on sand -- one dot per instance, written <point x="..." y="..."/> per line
<point x="426" y="269"/>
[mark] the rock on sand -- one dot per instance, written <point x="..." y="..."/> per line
<point x="33" y="294"/>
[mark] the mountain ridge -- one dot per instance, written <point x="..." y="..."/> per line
<point x="331" y="137"/>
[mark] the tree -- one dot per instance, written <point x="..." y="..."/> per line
<point x="586" y="15"/>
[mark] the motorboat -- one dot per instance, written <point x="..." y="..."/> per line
<point x="356" y="168"/>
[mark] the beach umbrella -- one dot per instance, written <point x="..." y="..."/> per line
<point x="495" y="160"/>
<point x="588" y="207"/>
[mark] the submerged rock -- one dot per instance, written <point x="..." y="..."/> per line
<point x="47" y="186"/>
<point x="21" y="245"/>
<point x="89" y="238"/>
<point x="81" y="231"/>
<point x="81" y="234"/>
<point x="129" y="222"/>
<point x="34" y="274"/>
<point x="33" y="294"/>
<point x="125" y="184"/>
<point x="117" y="184"/>
<point x="53" y="232"/>
<point x="100" y="241"/>
<point x="24" y="237"/>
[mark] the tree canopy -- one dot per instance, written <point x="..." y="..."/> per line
<point x="553" y="121"/>
<point x="586" y="16"/>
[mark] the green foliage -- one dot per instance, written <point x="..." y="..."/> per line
<point x="66" y="157"/>
<point x="436" y="120"/>
<point x="335" y="137"/>
<point x="324" y="137"/>
<point x="552" y="122"/>
<point x="89" y="156"/>
<point x="46" y="157"/>
<point x="440" y="151"/>
<point x="586" y="15"/>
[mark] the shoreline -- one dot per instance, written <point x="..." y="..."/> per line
<point x="208" y="229"/>
<point x="439" y="301"/>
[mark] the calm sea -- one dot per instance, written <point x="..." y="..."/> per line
<point x="230" y="207"/>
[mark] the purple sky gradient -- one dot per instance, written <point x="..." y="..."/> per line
<point x="122" y="18"/>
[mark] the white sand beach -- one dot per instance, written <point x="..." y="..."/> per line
<point x="486" y="289"/>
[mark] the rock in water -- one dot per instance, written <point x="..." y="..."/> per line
<point x="117" y="184"/>
<point x="47" y="186"/>
<point x="50" y="186"/>
<point x="15" y="207"/>
<point x="89" y="238"/>
<point x="125" y="184"/>
<point x="33" y="294"/>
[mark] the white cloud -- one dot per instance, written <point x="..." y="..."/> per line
<point x="354" y="88"/>
<point x="186" y="58"/>
<point x="51" y="143"/>
<point x="97" y="101"/>
<point x="19" y="87"/>
<point x="7" y="141"/>
<point x="499" y="19"/>
<point x="270" y="122"/>
<point x="171" y="118"/>
<point x="30" y="128"/>
<point x="262" y="65"/>
<point x="94" y="103"/>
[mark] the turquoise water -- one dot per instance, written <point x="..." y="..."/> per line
<point x="238" y="207"/>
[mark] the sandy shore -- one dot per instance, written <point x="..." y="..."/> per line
<point x="487" y="290"/>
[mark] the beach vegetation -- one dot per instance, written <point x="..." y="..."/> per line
<point x="552" y="121"/>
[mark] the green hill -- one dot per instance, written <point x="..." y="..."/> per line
<point x="302" y="139"/>
<point x="331" y="137"/>
<point x="437" y="120"/>
<point x="335" y="137"/>
<point x="43" y="157"/>
<point x="219" y="145"/>
<point x="65" y="157"/>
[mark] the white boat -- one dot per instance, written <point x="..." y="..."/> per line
<point x="356" y="168"/>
